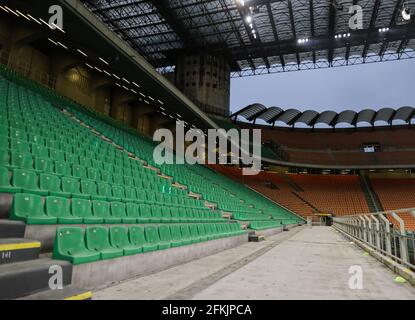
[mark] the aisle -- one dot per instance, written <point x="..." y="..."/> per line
<point x="313" y="264"/>
<point x="304" y="263"/>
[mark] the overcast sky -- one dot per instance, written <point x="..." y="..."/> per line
<point x="375" y="85"/>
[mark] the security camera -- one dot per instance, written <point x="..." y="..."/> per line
<point x="406" y="14"/>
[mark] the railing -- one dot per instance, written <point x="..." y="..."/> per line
<point x="378" y="231"/>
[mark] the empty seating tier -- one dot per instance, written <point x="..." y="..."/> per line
<point x="97" y="243"/>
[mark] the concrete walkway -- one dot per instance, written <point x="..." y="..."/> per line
<point x="304" y="263"/>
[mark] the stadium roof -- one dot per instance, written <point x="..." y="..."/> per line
<point x="161" y="30"/>
<point x="311" y="118"/>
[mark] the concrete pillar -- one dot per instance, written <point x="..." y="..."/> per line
<point x="73" y="78"/>
<point x="377" y="231"/>
<point x="205" y="79"/>
<point x="388" y="238"/>
<point x="120" y="105"/>
<point x="363" y="235"/>
<point x="102" y="88"/>
<point x="403" y="244"/>
<point x="369" y="229"/>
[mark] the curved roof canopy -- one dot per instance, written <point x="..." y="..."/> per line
<point x="331" y="118"/>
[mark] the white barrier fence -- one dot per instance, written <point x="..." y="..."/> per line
<point x="385" y="232"/>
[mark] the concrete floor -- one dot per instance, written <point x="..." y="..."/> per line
<point x="304" y="263"/>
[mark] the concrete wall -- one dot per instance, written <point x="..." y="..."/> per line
<point x="67" y="73"/>
<point x="205" y="79"/>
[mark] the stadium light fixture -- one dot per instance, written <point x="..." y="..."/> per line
<point x="302" y="41"/>
<point x="382" y="30"/>
<point x="62" y="45"/>
<point x="342" y="35"/>
<point x="83" y="53"/>
<point x="249" y="19"/>
<point x="53" y="41"/>
<point x="24" y="16"/>
<point x="34" y="19"/>
<point x="15" y="13"/>
<point x="406" y="14"/>
<point x="102" y="60"/>
<point x="44" y="22"/>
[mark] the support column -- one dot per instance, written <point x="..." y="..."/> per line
<point x="205" y="79"/>
<point x="402" y="239"/>
<point x="363" y="229"/>
<point x="369" y="229"/>
<point x="377" y="228"/>
<point x="388" y="238"/>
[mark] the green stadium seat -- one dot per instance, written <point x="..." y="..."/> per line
<point x="106" y="176"/>
<point x="165" y="236"/>
<point x="137" y="238"/>
<point x="29" y="208"/>
<point x="118" y="211"/>
<point x="5" y="185"/>
<point x="27" y="181"/>
<point x="202" y="232"/>
<point x="176" y="236"/>
<point x="156" y="213"/>
<point x="52" y="184"/>
<point x="44" y="165"/>
<point x="4" y="158"/>
<point x="119" y="239"/>
<point x="72" y="186"/>
<point x="104" y="191"/>
<point x="79" y="171"/>
<point x="194" y="232"/>
<point x="97" y="239"/>
<point x="92" y="174"/>
<point x="153" y="239"/>
<point x="102" y="209"/>
<point x="118" y="179"/>
<point x="60" y="208"/>
<point x="118" y="192"/>
<point x="83" y="208"/>
<point x="57" y="155"/>
<point x="89" y="187"/>
<point x="40" y="151"/>
<point x="22" y="160"/>
<point x="186" y="236"/>
<point x="166" y="214"/>
<point x="72" y="158"/>
<point x="130" y="194"/>
<point x="19" y="146"/>
<point x="70" y="245"/>
<point x="62" y="168"/>
<point x="133" y="213"/>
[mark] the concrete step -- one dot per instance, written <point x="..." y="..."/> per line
<point x="12" y="229"/>
<point x="67" y="293"/>
<point x="18" y="249"/>
<point x="28" y="277"/>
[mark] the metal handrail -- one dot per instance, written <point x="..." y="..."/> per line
<point x="377" y="231"/>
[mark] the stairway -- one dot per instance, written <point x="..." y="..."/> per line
<point x="372" y="198"/>
<point x="291" y="183"/>
<point x="306" y="202"/>
<point x="26" y="275"/>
